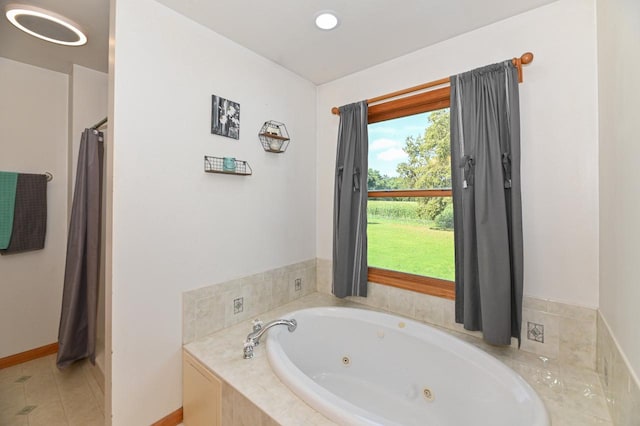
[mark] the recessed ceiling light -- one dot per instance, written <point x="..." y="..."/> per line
<point x="45" y="25"/>
<point x="326" y="20"/>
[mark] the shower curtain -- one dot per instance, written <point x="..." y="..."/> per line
<point x="487" y="207"/>
<point x="77" y="332"/>
<point x="350" y="203"/>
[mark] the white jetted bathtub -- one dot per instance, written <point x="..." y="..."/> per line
<point x="360" y="367"/>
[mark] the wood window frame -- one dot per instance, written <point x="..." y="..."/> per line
<point x="410" y="105"/>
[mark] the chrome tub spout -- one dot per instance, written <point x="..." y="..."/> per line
<point x="253" y="338"/>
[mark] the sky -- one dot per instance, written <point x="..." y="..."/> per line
<point x="387" y="140"/>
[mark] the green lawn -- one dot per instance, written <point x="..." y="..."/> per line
<point x="410" y="247"/>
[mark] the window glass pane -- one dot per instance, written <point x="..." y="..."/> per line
<point x="412" y="235"/>
<point x="410" y="152"/>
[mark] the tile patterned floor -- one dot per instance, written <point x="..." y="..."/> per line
<point x="37" y="393"/>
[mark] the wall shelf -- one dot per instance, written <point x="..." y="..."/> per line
<point x="274" y="137"/>
<point x="217" y="165"/>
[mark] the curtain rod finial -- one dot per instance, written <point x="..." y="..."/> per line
<point x="335" y="111"/>
<point x="527" y="58"/>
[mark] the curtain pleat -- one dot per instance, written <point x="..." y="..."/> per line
<point x="350" y="203"/>
<point x="485" y="167"/>
<point x="77" y="332"/>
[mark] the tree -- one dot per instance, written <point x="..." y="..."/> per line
<point x="429" y="163"/>
<point x="376" y="180"/>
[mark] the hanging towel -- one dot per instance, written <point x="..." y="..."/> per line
<point x="30" y="214"/>
<point x="7" y="206"/>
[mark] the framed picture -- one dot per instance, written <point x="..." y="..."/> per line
<point x="225" y="117"/>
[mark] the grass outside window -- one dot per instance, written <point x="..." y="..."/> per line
<point x="401" y="241"/>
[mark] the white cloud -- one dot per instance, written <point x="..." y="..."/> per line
<point x="383" y="143"/>
<point x="392" y="154"/>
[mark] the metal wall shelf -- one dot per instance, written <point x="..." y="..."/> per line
<point x="274" y="137"/>
<point x="216" y="165"/>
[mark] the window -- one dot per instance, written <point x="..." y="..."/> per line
<point x="410" y="211"/>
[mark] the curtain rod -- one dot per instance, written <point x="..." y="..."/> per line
<point x="100" y="123"/>
<point x="525" y="59"/>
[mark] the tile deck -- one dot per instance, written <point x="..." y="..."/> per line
<point x="573" y="395"/>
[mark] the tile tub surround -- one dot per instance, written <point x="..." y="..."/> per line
<point x="573" y="395"/>
<point x="212" y="308"/>
<point x="569" y="331"/>
<point x="621" y="386"/>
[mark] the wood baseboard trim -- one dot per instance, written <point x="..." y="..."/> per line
<point x="171" y="419"/>
<point x="29" y="355"/>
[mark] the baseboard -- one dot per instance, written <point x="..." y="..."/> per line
<point x="29" y="355"/>
<point x="172" y="419"/>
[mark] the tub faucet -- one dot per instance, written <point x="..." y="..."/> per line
<point x="253" y="338"/>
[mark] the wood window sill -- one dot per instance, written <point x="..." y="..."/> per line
<point x="418" y="283"/>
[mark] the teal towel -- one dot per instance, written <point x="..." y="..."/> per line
<point x="8" y="182"/>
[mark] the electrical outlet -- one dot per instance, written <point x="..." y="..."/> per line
<point x="535" y="332"/>
<point x="238" y="305"/>
<point x="298" y="285"/>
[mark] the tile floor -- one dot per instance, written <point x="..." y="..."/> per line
<point x="37" y="393"/>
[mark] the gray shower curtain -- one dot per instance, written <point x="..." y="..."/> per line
<point x="350" y="203"/>
<point x="77" y="332"/>
<point x="485" y="167"/>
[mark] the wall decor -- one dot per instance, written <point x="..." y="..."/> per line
<point x="225" y="117"/>
<point x="274" y="136"/>
<point x="226" y="165"/>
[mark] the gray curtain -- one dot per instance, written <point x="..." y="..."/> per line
<point x="77" y="332"/>
<point x="350" y="203"/>
<point x="485" y="166"/>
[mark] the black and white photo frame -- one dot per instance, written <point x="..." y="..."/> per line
<point x="225" y="117"/>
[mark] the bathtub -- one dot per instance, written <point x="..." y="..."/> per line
<point x="360" y="367"/>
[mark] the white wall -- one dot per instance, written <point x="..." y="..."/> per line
<point x="558" y="104"/>
<point x="33" y="139"/>
<point x="619" y="107"/>
<point x="176" y="228"/>
<point x="88" y="95"/>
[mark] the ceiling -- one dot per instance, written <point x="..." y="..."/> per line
<point x="370" y="31"/>
<point x="91" y="15"/>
